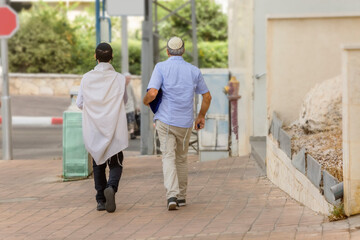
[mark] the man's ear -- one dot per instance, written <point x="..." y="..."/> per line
<point x="95" y="56"/>
<point x="167" y="51"/>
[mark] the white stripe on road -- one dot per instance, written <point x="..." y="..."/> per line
<point x="31" y="121"/>
<point x="34" y="121"/>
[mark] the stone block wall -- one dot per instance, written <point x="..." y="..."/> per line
<point x="298" y="174"/>
<point x="281" y="172"/>
<point x="42" y="84"/>
<point x="52" y="84"/>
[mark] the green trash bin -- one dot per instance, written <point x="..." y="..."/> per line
<point x="77" y="163"/>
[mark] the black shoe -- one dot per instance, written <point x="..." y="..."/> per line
<point x="181" y="202"/>
<point x="132" y="136"/>
<point x="100" y="206"/>
<point x="110" y="205"/>
<point x="172" y="203"/>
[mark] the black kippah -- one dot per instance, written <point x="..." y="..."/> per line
<point x="103" y="52"/>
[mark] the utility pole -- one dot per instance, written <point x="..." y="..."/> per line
<point x="97" y="21"/>
<point x="194" y="33"/>
<point x="6" y="104"/>
<point x="5" y="100"/>
<point x="124" y="45"/>
<point x="147" y="65"/>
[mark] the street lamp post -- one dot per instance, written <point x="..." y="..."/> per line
<point x="5" y="98"/>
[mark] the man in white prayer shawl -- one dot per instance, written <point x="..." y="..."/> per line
<point x="102" y="97"/>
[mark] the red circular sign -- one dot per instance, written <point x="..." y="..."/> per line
<point x="8" y="22"/>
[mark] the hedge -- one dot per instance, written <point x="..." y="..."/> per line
<point x="47" y="42"/>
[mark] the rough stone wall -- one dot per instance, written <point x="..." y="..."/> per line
<point x="52" y="84"/>
<point x="322" y="107"/>
<point x="42" y="84"/>
<point x="319" y="127"/>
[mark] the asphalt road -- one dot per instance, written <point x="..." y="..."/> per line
<point x="43" y="142"/>
<point x="36" y="106"/>
<point x="36" y="143"/>
<point x="46" y="143"/>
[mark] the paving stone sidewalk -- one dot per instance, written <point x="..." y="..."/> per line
<point x="227" y="199"/>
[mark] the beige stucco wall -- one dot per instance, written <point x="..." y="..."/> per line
<point x="302" y="51"/>
<point x="241" y="38"/>
<point x="351" y="129"/>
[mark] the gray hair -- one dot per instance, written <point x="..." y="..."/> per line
<point x="176" y="52"/>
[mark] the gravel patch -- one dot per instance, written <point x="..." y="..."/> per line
<point x="323" y="146"/>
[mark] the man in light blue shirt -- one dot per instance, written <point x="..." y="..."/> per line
<point x="174" y="118"/>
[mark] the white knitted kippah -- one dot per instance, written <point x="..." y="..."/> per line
<point x="175" y="43"/>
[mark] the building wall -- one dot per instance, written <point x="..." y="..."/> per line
<point x="247" y="52"/>
<point x="240" y="65"/>
<point x="303" y="51"/>
<point x="351" y="130"/>
<point x="265" y="8"/>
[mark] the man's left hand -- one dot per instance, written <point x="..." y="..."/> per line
<point x="199" y="123"/>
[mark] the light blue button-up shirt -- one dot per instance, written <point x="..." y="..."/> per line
<point x="179" y="81"/>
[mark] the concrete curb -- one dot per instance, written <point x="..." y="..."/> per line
<point x="20" y="121"/>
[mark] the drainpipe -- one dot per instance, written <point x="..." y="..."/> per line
<point x="232" y="90"/>
<point x="338" y="190"/>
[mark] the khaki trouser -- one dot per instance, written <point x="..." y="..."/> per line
<point x="174" y="143"/>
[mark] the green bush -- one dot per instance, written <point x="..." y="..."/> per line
<point x="86" y="60"/>
<point x="211" y="31"/>
<point x="83" y="53"/>
<point x="211" y="21"/>
<point x="48" y="43"/>
<point x="44" y="42"/>
<point x="213" y="54"/>
<point x="134" y="56"/>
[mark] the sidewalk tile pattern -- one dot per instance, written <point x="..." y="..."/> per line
<point x="227" y="200"/>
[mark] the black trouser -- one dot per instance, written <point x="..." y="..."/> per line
<point x="114" y="178"/>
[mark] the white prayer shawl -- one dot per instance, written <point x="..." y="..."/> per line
<point x="130" y="105"/>
<point x="104" y="117"/>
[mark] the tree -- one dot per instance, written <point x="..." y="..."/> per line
<point x="211" y="22"/>
<point x="44" y="42"/>
<point x="47" y="42"/>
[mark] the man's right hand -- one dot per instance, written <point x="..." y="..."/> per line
<point x="150" y="96"/>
